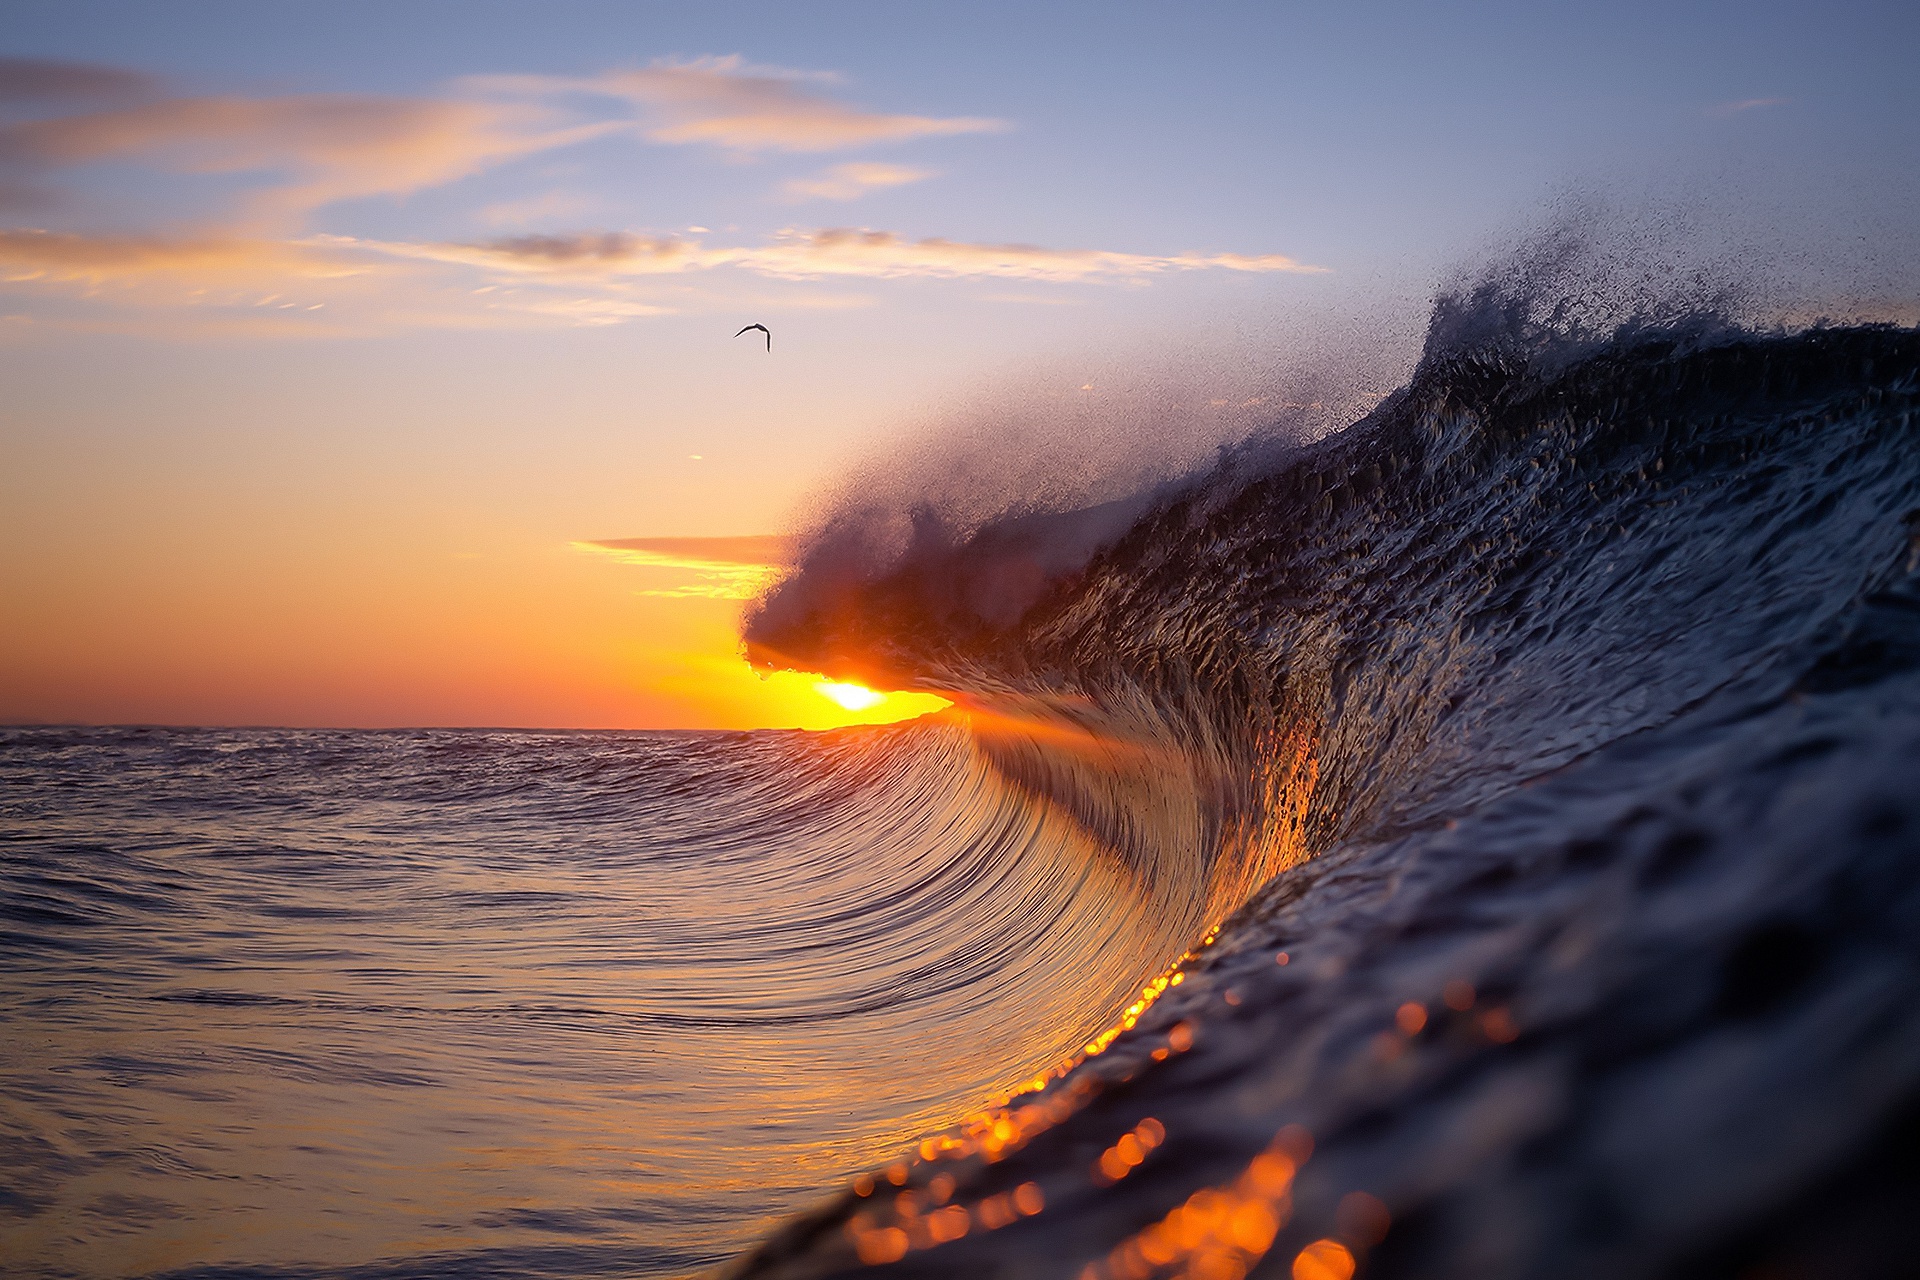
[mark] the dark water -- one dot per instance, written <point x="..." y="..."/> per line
<point x="1533" y="770"/>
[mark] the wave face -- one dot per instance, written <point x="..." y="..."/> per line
<point x="1551" y="738"/>
<point x="320" y="1003"/>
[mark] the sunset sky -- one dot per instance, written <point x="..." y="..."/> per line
<point x="374" y="364"/>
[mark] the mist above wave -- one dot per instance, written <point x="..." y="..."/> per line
<point x="986" y="504"/>
<point x="951" y="537"/>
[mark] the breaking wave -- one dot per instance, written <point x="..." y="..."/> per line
<point x="1534" y="768"/>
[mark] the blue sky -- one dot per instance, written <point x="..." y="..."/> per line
<point x="1360" y="136"/>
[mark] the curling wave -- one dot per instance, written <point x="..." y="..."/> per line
<point x="1552" y="736"/>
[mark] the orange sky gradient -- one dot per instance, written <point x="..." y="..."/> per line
<point x="581" y="635"/>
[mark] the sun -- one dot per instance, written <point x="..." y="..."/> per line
<point x="854" y="697"/>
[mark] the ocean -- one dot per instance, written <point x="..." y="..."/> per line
<point x="1483" y="841"/>
<point x="575" y="1003"/>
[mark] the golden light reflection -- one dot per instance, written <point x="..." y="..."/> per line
<point x="1218" y="1233"/>
<point x="923" y="1220"/>
<point x="1134" y="1146"/>
<point x="1324" y="1260"/>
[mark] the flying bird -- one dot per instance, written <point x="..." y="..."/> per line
<point x="762" y="328"/>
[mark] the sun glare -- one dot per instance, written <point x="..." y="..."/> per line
<point x="854" y="697"/>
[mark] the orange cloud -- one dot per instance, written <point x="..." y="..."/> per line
<point x="318" y="149"/>
<point x="846" y="251"/>
<point x="759" y="550"/>
<point x="807" y="255"/>
<point x="36" y="255"/>
<point x="726" y="103"/>
<point x="331" y="147"/>
<point x="849" y="181"/>
<point x="711" y="568"/>
<point x="239" y="286"/>
<point x="339" y="284"/>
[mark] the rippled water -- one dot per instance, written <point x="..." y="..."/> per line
<point x="551" y="1003"/>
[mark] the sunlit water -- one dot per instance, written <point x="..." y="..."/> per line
<point x="555" y="1003"/>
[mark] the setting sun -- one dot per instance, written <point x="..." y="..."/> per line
<point x="854" y="697"/>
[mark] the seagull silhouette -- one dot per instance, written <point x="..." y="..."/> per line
<point x="762" y="328"/>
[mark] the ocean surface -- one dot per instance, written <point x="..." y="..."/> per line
<point x="584" y="1003"/>
<point x="1481" y="842"/>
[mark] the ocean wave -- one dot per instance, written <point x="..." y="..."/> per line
<point x="1554" y="726"/>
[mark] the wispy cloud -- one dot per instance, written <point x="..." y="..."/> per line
<point x="184" y="287"/>
<point x="758" y="551"/>
<point x="592" y="312"/>
<point x="725" y="102"/>
<point x="322" y="148"/>
<point x="850" y="181"/>
<point x="710" y="568"/>
<point x="863" y="252"/>
<point x="256" y="256"/>
<point x="345" y="284"/>
<point x="34" y="86"/>
<point x="1724" y="109"/>
<point x="798" y="255"/>
<point x="36" y="81"/>
<point x="313" y="150"/>
<point x="33" y="255"/>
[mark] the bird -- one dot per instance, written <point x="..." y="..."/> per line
<point x="762" y="328"/>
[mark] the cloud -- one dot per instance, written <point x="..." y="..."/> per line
<point x="862" y="252"/>
<point x="312" y="150"/>
<point x="35" y="80"/>
<point x="30" y="84"/>
<point x="798" y="255"/>
<point x="850" y="181"/>
<point x="724" y="102"/>
<point x="760" y="550"/>
<point x="1725" y="109"/>
<point x="592" y="312"/>
<point x="721" y="568"/>
<point x="338" y="284"/>
<point x="181" y="286"/>
<point x="28" y="255"/>
<point x="598" y="252"/>
<point x="249" y="286"/>
<point x="330" y="147"/>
